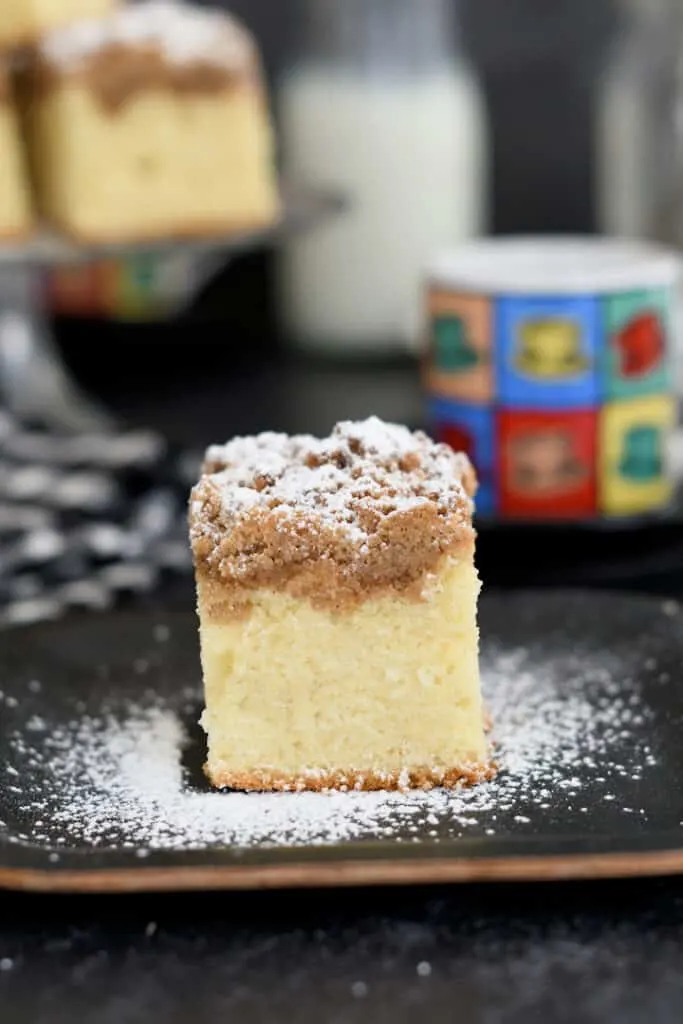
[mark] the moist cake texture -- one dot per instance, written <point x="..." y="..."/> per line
<point x="337" y="601"/>
<point x="151" y="122"/>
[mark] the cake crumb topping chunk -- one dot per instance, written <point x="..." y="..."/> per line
<point x="372" y="505"/>
<point x="183" y="33"/>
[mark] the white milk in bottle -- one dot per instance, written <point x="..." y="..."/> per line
<point x="387" y="112"/>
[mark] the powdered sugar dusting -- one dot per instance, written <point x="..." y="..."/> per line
<point x="564" y="730"/>
<point x="183" y="33"/>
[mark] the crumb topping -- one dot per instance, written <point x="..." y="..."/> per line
<point x="372" y="506"/>
<point x="184" y="34"/>
<point x="352" y="480"/>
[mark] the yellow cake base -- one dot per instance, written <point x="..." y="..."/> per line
<point x="15" y="209"/>
<point x="165" y="164"/>
<point x="383" y="696"/>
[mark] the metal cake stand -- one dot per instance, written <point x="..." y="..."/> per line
<point x="35" y="384"/>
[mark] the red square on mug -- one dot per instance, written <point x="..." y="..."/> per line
<point x="547" y="463"/>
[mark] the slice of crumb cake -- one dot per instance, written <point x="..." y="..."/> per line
<point x="337" y="600"/>
<point x="149" y="123"/>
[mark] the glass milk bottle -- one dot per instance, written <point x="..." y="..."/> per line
<point x="383" y="108"/>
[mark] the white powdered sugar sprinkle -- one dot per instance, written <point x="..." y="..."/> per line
<point x="184" y="34"/>
<point x="563" y="729"/>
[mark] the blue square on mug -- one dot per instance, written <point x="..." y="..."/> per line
<point x="547" y="352"/>
<point x="470" y="429"/>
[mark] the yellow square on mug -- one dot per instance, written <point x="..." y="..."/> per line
<point x="632" y="475"/>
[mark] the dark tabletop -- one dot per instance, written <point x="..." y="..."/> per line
<point x="596" y="952"/>
<point x="603" y="953"/>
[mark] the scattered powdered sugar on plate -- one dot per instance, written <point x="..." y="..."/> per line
<point x="562" y="728"/>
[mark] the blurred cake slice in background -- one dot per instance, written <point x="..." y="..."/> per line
<point x="151" y="123"/>
<point x="23" y="21"/>
<point x="15" y="203"/>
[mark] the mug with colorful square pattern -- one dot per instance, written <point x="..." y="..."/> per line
<point x="552" y="362"/>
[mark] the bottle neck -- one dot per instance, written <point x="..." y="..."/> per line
<point x="383" y="36"/>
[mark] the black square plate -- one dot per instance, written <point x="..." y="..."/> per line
<point x="101" y="786"/>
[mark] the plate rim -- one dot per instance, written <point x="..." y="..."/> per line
<point x="346" y="873"/>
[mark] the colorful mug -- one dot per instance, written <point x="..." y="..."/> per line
<point x="550" y="361"/>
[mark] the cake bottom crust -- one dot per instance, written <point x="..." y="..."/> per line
<point x="321" y="780"/>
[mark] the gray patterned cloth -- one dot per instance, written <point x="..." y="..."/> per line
<point x="86" y="520"/>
